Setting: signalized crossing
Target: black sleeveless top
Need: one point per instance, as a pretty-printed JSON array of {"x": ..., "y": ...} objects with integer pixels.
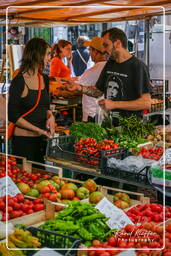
[{"x": 18, "y": 106}]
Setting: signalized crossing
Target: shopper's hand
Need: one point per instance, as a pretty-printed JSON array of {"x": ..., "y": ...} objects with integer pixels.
[
  {"x": 107, "y": 104},
  {"x": 45, "y": 133},
  {"x": 50, "y": 125},
  {"x": 70, "y": 85}
]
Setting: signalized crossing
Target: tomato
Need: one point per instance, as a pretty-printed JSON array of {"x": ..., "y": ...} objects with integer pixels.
[
  {"x": 37, "y": 201},
  {"x": 46, "y": 195},
  {"x": 130, "y": 228},
  {"x": 15, "y": 214},
  {"x": 45, "y": 189},
  {"x": 168, "y": 228},
  {"x": 96, "y": 243},
  {"x": 10, "y": 209},
  {"x": 53, "y": 197},
  {"x": 91, "y": 253},
  {"x": 112, "y": 241},
  {"x": 2, "y": 204},
  {"x": 24, "y": 207},
  {"x": 16, "y": 206},
  {"x": 20, "y": 197},
  {"x": 30, "y": 211},
  {"x": 38, "y": 207}
]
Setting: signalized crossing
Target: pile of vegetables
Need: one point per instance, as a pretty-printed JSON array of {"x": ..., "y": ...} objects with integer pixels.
[
  {"x": 130, "y": 133},
  {"x": 81, "y": 221},
  {"x": 152, "y": 153},
  {"x": 148, "y": 212},
  {"x": 91, "y": 148},
  {"x": 146, "y": 237},
  {"x": 83, "y": 130},
  {"x": 135, "y": 128}
]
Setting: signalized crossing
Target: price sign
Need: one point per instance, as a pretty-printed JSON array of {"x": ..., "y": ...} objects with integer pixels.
[
  {"x": 117, "y": 218},
  {"x": 46, "y": 251},
  {"x": 12, "y": 188}
]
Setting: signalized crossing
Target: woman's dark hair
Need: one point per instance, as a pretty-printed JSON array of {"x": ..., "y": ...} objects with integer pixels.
[
  {"x": 33, "y": 55},
  {"x": 14, "y": 28},
  {"x": 56, "y": 47},
  {"x": 117, "y": 34}
]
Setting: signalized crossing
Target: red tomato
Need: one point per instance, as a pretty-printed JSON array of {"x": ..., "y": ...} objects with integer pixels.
[
  {"x": 20, "y": 197},
  {"x": 112, "y": 241},
  {"x": 16, "y": 206},
  {"x": 30, "y": 211},
  {"x": 96, "y": 243},
  {"x": 2, "y": 204},
  {"x": 37, "y": 201},
  {"x": 38, "y": 207}
]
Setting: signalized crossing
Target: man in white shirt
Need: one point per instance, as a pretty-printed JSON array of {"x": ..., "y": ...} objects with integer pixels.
[{"x": 90, "y": 76}]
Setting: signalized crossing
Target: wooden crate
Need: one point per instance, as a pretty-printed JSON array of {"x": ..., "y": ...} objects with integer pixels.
[
  {"x": 28, "y": 165},
  {"x": 140, "y": 198},
  {"x": 108, "y": 192},
  {"x": 30, "y": 218}
]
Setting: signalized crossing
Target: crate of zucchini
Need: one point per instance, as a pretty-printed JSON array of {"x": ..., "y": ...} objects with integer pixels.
[{"x": 88, "y": 145}]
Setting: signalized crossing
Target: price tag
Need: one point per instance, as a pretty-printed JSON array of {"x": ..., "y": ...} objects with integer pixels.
[
  {"x": 127, "y": 253},
  {"x": 12, "y": 188},
  {"x": 118, "y": 219},
  {"x": 46, "y": 251}
]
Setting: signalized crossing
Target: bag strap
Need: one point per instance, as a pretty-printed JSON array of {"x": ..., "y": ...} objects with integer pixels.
[
  {"x": 82, "y": 57},
  {"x": 38, "y": 98}
]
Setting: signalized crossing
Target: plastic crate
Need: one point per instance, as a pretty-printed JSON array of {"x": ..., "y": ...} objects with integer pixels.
[
  {"x": 157, "y": 86},
  {"x": 50, "y": 239},
  {"x": 62, "y": 147},
  {"x": 137, "y": 176}
]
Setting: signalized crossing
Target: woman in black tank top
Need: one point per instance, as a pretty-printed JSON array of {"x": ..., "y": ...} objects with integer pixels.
[{"x": 30, "y": 131}]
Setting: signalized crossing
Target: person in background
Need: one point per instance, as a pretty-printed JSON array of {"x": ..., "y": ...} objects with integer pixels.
[
  {"x": 90, "y": 76},
  {"x": 124, "y": 81},
  {"x": 80, "y": 56},
  {"x": 30, "y": 131},
  {"x": 57, "y": 67}
]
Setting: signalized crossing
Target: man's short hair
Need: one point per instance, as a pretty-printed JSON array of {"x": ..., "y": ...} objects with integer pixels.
[
  {"x": 117, "y": 34},
  {"x": 81, "y": 40}
]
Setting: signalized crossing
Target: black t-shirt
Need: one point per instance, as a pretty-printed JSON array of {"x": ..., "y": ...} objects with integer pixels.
[
  {"x": 124, "y": 81},
  {"x": 18, "y": 106}
]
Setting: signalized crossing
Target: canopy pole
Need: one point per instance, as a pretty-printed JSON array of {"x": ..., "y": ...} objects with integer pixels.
[{"x": 147, "y": 42}]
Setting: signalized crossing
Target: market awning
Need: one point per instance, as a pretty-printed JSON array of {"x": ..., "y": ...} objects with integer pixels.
[{"x": 37, "y": 12}]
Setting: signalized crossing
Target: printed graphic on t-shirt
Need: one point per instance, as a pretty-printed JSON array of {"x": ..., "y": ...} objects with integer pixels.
[{"x": 115, "y": 88}]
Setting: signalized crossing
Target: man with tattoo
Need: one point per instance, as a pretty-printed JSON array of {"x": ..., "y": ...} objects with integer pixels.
[{"x": 124, "y": 80}]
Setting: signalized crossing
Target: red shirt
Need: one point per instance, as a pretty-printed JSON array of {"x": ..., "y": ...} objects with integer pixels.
[{"x": 59, "y": 69}]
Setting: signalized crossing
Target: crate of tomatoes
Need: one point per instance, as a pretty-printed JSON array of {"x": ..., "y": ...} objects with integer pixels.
[{"x": 87, "y": 152}]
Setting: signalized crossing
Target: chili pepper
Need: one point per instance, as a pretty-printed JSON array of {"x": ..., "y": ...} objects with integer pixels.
[
  {"x": 85, "y": 234},
  {"x": 64, "y": 213},
  {"x": 91, "y": 217}
]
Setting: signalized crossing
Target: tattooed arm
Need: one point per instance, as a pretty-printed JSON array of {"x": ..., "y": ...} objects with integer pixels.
[
  {"x": 91, "y": 91},
  {"x": 88, "y": 90}
]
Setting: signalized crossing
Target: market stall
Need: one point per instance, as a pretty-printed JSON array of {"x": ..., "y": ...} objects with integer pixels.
[{"x": 47, "y": 210}]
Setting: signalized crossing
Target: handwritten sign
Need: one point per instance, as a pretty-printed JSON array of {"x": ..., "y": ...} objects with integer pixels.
[
  {"x": 12, "y": 188},
  {"x": 47, "y": 251},
  {"x": 117, "y": 218}
]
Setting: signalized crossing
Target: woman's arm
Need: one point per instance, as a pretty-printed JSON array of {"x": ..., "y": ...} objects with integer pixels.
[
  {"x": 50, "y": 123},
  {"x": 22, "y": 123}
]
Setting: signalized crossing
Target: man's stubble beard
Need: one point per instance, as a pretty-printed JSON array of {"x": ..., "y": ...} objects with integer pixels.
[{"x": 114, "y": 53}]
